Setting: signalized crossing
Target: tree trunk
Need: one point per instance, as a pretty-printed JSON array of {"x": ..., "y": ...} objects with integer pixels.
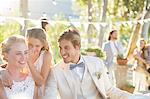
[
  {"x": 103, "y": 18},
  {"x": 24, "y": 14},
  {"x": 135, "y": 34},
  {"x": 89, "y": 20},
  {"x": 145, "y": 28}
]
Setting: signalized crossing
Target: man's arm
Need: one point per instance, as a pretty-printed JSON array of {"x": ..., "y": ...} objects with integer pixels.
[
  {"x": 116, "y": 93},
  {"x": 51, "y": 86},
  {"x": 111, "y": 91}
]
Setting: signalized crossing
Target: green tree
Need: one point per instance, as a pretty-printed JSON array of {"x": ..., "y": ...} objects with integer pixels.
[
  {"x": 89, "y": 4},
  {"x": 9, "y": 28},
  {"x": 103, "y": 19}
]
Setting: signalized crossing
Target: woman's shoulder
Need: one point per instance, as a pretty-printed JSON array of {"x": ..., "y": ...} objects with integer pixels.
[{"x": 47, "y": 54}]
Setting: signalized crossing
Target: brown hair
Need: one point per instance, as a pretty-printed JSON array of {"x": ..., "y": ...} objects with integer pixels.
[
  {"x": 110, "y": 33},
  {"x": 39, "y": 34},
  {"x": 7, "y": 43},
  {"x": 44, "y": 22},
  {"x": 71, "y": 35},
  {"x": 142, "y": 39}
]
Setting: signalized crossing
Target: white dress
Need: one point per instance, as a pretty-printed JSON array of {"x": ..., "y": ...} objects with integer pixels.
[
  {"x": 38, "y": 64},
  {"x": 25, "y": 89},
  {"x": 21, "y": 90}
]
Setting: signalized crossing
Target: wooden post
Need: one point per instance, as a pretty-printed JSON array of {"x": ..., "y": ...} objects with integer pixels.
[
  {"x": 133, "y": 40},
  {"x": 24, "y": 14},
  {"x": 89, "y": 20}
]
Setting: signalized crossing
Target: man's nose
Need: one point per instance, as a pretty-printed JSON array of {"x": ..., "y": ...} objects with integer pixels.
[{"x": 62, "y": 52}]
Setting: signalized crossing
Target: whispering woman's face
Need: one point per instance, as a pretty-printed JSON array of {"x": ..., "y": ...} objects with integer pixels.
[{"x": 35, "y": 45}]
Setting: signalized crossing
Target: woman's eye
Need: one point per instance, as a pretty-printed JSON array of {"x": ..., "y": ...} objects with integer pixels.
[
  {"x": 26, "y": 52},
  {"x": 18, "y": 53}
]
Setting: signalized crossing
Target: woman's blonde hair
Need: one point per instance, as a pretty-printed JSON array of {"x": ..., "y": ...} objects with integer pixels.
[
  {"x": 7, "y": 43},
  {"x": 38, "y": 33}
]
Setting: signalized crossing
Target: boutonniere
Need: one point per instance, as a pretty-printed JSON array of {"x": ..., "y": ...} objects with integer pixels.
[{"x": 98, "y": 75}]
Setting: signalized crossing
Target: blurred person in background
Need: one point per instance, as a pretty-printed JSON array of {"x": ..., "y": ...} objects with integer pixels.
[
  {"x": 112, "y": 48},
  {"x": 142, "y": 64}
]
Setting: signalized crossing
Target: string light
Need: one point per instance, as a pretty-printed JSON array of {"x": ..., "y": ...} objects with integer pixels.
[
  {"x": 82, "y": 22},
  {"x": 54, "y": 2},
  {"x": 29, "y": 13},
  {"x": 90, "y": 17}
]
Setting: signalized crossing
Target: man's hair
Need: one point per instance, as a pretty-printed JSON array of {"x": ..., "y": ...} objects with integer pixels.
[
  {"x": 110, "y": 33},
  {"x": 71, "y": 35},
  {"x": 44, "y": 22}
]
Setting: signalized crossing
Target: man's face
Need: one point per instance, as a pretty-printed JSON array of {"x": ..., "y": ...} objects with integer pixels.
[
  {"x": 114, "y": 35},
  {"x": 68, "y": 52}
]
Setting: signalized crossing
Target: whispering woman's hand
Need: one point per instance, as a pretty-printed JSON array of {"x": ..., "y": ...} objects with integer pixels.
[{"x": 32, "y": 56}]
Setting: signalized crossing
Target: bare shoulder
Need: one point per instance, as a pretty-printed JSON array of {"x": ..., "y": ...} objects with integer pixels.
[{"x": 47, "y": 54}]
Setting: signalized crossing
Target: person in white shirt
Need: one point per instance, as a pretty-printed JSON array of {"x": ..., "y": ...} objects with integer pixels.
[{"x": 112, "y": 48}]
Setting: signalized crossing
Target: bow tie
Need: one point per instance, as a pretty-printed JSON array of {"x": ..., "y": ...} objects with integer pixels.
[{"x": 72, "y": 66}]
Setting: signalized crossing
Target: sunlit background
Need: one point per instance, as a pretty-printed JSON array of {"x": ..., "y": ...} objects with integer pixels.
[{"x": 94, "y": 19}]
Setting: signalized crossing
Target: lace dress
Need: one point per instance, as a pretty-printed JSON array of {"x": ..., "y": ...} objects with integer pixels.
[
  {"x": 25, "y": 89},
  {"x": 21, "y": 90}
]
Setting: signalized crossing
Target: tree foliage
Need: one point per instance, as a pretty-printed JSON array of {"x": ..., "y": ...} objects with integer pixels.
[{"x": 134, "y": 7}]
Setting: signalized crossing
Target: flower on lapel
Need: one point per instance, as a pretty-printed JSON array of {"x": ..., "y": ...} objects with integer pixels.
[{"x": 98, "y": 75}]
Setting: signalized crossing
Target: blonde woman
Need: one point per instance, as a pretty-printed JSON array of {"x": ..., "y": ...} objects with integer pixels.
[
  {"x": 40, "y": 59},
  {"x": 15, "y": 52}
]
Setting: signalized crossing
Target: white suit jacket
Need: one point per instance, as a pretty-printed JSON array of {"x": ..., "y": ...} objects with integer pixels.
[{"x": 61, "y": 80}]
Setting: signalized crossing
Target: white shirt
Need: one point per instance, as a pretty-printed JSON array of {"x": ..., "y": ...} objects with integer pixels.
[
  {"x": 113, "y": 45},
  {"x": 79, "y": 70}
]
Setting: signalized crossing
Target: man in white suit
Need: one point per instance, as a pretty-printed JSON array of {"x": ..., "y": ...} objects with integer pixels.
[
  {"x": 112, "y": 48},
  {"x": 77, "y": 76}
]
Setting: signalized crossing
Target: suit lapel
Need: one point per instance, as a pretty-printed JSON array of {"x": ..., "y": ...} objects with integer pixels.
[
  {"x": 70, "y": 79},
  {"x": 91, "y": 67}
]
